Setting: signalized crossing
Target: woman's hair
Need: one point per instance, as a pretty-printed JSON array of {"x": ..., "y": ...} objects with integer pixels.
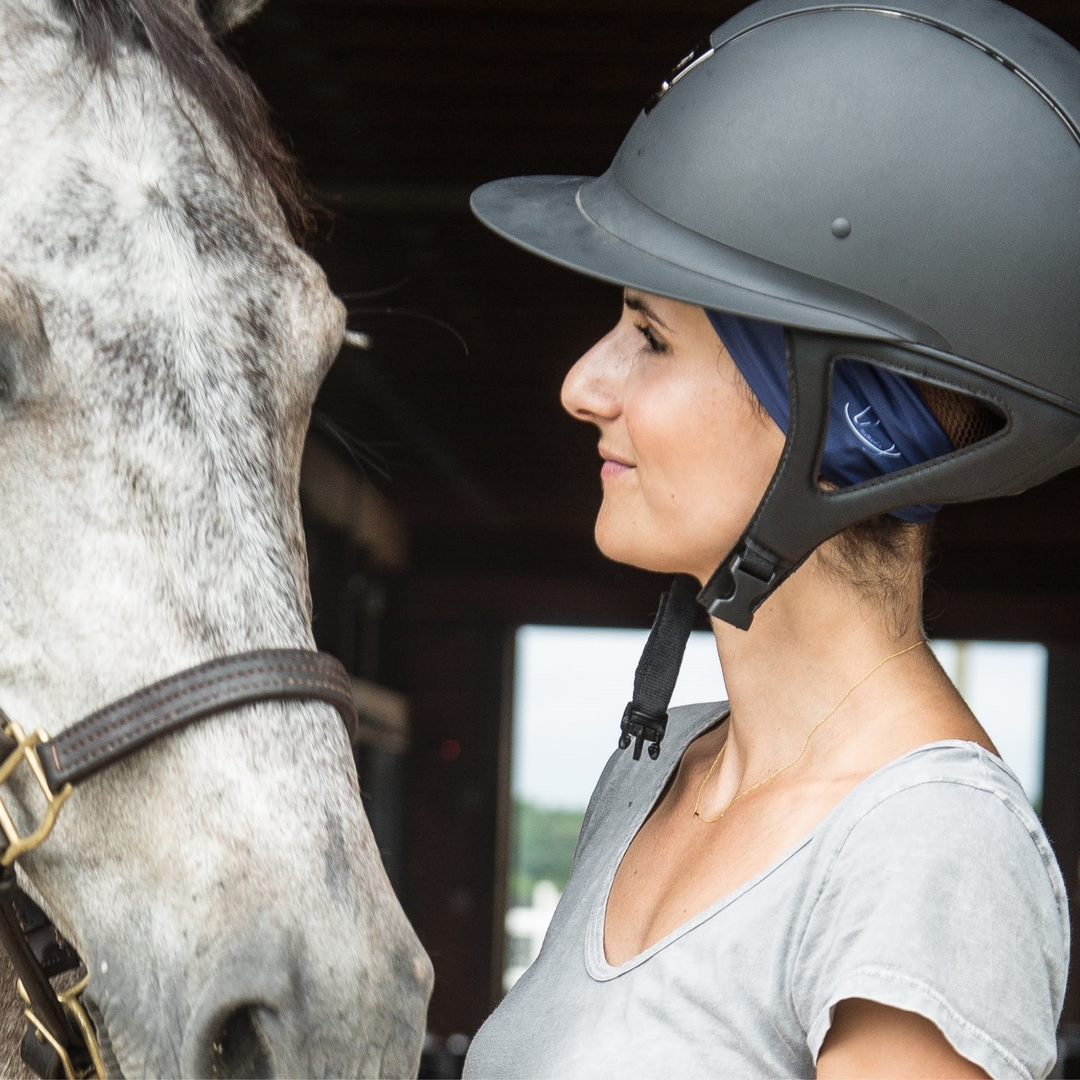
[{"x": 885, "y": 558}]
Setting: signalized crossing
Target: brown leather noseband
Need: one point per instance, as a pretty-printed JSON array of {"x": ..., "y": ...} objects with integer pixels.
[{"x": 60, "y": 1039}]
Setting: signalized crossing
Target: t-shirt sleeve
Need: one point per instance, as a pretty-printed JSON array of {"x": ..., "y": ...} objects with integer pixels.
[{"x": 943, "y": 899}]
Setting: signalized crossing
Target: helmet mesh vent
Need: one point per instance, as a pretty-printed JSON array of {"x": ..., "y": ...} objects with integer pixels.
[{"x": 965, "y": 420}]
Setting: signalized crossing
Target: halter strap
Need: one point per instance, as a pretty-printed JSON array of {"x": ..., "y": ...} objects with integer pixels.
[
  {"x": 60, "y": 1040},
  {"x": 119, "y": 729}
]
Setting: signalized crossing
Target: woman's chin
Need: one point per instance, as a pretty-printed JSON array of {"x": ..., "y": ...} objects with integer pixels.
[
  {"x": 616, "y": 545},
  {"x": 624, "y": 546},
  {"x": 628, "y": 546}
]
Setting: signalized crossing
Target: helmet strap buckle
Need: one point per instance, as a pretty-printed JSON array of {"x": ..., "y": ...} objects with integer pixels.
[{"x": 742, "y": 582}]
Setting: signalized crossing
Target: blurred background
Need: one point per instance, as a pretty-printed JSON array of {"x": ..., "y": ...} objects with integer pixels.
[{"x": 449, "y": 502}]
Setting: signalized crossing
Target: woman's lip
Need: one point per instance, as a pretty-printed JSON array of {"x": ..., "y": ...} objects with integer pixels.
[
  {"x": 613, "y": 457},
  {"x": 611, "y": 469}
]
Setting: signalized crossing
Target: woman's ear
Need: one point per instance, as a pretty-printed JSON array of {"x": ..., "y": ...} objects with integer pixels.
[{"x": 223, "y": 15}]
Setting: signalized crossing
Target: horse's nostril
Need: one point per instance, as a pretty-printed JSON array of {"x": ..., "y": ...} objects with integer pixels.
[{"x": 239, "y": 1049}]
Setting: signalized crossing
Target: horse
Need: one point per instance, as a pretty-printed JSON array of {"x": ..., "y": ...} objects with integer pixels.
[{"x": 162, "y": 339}]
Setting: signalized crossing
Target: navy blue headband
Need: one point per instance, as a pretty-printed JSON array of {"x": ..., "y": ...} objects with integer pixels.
[{"x": 878, "y": 423}]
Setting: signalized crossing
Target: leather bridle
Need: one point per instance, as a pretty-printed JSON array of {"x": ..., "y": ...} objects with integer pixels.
[{"x": 60, "y": 1039}]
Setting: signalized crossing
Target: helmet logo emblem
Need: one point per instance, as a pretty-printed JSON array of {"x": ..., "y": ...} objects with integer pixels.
[
  {"x": 862, "y": 425},
  {"x": 687, "y": 64}
]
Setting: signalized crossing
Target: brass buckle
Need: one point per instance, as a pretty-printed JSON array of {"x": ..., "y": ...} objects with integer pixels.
[
  {"x": 71, "y": 1000},
  {"x": 26, "y": 750}
]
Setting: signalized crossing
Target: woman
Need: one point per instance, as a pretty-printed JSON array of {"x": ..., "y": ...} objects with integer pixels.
[{"x": 848, "y": 239}]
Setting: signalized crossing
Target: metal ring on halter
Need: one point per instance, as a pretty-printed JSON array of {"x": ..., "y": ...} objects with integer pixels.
[{"x": 71, "y": 1001}]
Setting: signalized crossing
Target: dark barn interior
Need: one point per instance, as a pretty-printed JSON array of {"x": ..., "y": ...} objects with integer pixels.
[{"x": 468, "y": 511}]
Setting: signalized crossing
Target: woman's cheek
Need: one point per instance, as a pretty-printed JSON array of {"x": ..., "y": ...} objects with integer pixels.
[
  {"x": 677, "y": 430},
  {"x": 657, "y": 413},
  {"x": 648, "y": 511},
  {"x": 703, "y": 461}
]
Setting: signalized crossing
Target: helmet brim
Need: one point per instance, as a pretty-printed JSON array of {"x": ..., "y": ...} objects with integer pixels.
[{"x": 583, "y": 222}]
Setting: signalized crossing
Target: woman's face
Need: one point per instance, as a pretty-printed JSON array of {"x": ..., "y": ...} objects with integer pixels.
[{"x": 687, "y": 451}]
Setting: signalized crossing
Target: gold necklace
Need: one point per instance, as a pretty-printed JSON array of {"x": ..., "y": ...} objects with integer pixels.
[{"x": 772, "y": 776}]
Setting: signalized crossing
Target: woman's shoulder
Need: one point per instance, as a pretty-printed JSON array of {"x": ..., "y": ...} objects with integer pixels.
[
  {"x": 945, "y": 824},
  {"x": 943, "y": 796},
  {"x": 947, "y": 780},
  {"x": 935, "y": 890}
]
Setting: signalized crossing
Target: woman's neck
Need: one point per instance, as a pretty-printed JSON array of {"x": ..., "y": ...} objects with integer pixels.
[{"x": 810, "y": 644}]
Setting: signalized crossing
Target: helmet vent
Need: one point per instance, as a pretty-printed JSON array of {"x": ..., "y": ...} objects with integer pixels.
[{"x": 964, "y": 419}]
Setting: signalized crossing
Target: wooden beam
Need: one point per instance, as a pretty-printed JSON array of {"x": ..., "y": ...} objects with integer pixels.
[
  {"x": 335, "y": 494},
  {"x": 384, "y": 717}
]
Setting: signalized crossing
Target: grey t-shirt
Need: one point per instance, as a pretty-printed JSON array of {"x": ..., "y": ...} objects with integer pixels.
[{"x": 930, "y": 887}]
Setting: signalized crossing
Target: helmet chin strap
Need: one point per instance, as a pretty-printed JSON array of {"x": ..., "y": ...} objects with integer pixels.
[
  {"x": 645, "y": 718},
  {"x": 796, "y": 515}
]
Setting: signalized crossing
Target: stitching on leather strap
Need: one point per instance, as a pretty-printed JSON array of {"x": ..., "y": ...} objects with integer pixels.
[
  {"x": 210, "y": 672},
  {"x": 99, "y": 739},
  {"x": 215, "y": 689},
  {"x": 95, "y": 726},
  {"x": 209, "y": 678}
]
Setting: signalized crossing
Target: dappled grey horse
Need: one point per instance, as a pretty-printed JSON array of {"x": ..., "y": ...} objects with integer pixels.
[{"x": 162, "y": 338}]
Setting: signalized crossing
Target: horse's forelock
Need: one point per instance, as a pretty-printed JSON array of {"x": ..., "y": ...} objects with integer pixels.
[{"x": 196, "y": 63}]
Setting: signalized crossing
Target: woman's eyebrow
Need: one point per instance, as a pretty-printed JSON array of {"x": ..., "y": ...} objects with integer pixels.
[{"x": 636, "y": 303}]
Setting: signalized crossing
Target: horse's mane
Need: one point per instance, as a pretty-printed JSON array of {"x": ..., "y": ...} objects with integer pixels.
[{"x": 196, "y": 63}]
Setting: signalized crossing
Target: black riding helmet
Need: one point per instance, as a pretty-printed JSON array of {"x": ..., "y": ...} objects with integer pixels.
[{"x": 896, "y": 183}]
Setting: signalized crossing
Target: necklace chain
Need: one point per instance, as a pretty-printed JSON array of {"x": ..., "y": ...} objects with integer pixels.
[{"x": 791, "y": 764}]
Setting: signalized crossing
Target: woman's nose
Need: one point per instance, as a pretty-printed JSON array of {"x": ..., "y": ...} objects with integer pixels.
[{"x": 590, "y": 391}]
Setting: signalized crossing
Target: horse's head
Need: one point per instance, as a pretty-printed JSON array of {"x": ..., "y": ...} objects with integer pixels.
[{"x": 161, "y": 342}]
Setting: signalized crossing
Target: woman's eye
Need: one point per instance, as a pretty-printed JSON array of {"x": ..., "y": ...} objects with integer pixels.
[{"x": 652, "y": 341}]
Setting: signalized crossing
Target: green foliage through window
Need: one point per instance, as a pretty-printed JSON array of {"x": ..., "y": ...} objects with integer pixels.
[{"x": 541, "y": 848}]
